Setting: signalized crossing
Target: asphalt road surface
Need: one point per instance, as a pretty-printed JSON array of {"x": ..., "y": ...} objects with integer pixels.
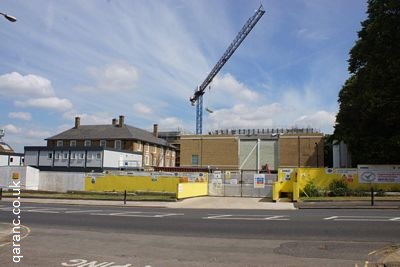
[{"x": 99, "y": 236}]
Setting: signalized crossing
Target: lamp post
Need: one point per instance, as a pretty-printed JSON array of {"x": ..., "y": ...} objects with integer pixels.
[
  {"x": 316, "y": 145},
  {"x": 8, "y": 17}
]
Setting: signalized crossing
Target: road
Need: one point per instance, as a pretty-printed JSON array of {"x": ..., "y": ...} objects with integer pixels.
[{"x": 100, "y": 236}]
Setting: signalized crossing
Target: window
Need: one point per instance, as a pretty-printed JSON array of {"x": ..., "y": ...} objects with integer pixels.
[
  {"x": 58, "y": 155},
  {"x": 88, "y": 143},
  {"x": 173, "y": 154},
  {"x": 147, "y": 148},
  {"x": 50, "y": 155},
  {"x": 146, "y": 160},
  {"x": 167, "y": 153},
  {"x": 117, "y": 144},
  {"x": 195, "y": 160},
  {"x": 72, "y": 143},
  {"x": 154, "y": 149},
  {"x": 103, "y": 143},
  {"x": 73, "y": 155},
  {"x": 139, "y": 146},
  {"x": 11, "y": 159},
  {"x": 65, "y": 156},
  {"x": 60, "y": 143},
  {"x": 98, "y": 156},
  {"x": 154, "y": 161},
  {"x": 81, "y": 155},
  {"x": 161, "y": 150}
]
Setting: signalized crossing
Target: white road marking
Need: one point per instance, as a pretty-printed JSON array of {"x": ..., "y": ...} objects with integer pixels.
[
  {"x": 82, "y": 211},
  {"x": 46, "y": 210},
  {"x": 330, "y": 218},
  {"x": 362, "y": 218},
  {"x": 248, "y": 217}
]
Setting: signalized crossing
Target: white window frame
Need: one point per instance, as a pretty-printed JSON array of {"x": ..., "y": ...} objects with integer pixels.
[
  {"x": 116, "y": 142},
  {"x": 72, "y": 143},
  {"x": 65, "y": 155},
  {"x": 139, "y": 146},
  {"x": 87, "y": 143},
  {"x": 167, "y": 152},
  {"x": 147, "y": 147},
  {"x": 154, "y": 160},
  {"x": 147, "y": 160},
  {"x": 103, "y": 143},
  {"x": 73, "y": 155},
  {"x": 50, "y": 155},
  {"x": 60, "y": 143},
  {"x": 81, "y": 155},
  {"x": 57, "y": 155},
  {"x": 154, "y": 149},
  {"x": 98, "y": 155}
]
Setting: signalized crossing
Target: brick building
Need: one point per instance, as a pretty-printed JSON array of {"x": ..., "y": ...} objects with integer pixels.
[
  {"x": 253, "y": 149},
  {"x": 118, "y": 136}
]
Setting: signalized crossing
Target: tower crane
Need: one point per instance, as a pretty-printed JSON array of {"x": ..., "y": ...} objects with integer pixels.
[{"x": 197, "y": 97}]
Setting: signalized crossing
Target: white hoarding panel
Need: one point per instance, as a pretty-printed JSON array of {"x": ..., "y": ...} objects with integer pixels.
[{"x": 379, "y": 174}]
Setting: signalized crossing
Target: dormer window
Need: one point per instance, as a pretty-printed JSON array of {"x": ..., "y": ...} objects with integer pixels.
[
  {"x": 60, "y": 143},
  {"x": 88, "y": 143}
]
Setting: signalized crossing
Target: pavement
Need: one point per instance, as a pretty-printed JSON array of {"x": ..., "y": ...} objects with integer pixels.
[
  {"x": 347, "y": 205},
  {"x": 190, "y": 203}
]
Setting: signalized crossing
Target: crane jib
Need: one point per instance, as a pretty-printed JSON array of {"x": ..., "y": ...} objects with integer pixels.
[{"x": 249, "y": 25}]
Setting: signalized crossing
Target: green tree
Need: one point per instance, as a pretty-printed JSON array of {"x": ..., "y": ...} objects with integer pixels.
[{"x": 369, "y": 101}]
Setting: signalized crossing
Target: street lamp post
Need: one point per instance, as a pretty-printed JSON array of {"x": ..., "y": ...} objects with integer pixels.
[
  {"x": 8, "y": 17},
  {"x": 316, "y": 145}
]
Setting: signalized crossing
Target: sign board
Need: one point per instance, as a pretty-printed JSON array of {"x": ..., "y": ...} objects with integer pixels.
[
  {"x": 259, "y": 180},
  {"x": 287, "y": 173},
  {"x": 381, "y": 174}
]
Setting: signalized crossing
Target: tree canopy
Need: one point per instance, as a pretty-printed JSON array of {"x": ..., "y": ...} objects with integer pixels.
[{"x": 368, "y": 120}]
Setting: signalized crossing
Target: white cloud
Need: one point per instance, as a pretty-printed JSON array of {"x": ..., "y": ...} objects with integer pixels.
[
  {"x": 12, "y": 129},
  {"x": 26, "y": 116},
  {"x": 86, "y": 119},
  {"x": 53, "y": 103},
  {"x": 229, "y": 86},
  {"x": 142, "y": 109},
  {"x": 170, "y": 123},
  {"x": 320, "y": 119},
  {"x": 309, "y": 34},
  {"x": 245, "y": 116},
  {"x": 14, "y": 84},
  {"x": 37, "y": 134},
  {"x": 112, "y": 78}
]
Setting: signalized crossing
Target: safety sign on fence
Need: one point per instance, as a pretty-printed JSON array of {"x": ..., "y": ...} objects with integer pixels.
[
  {"x": 259, "y": 180},
  {"x": 379, "y": 173}
]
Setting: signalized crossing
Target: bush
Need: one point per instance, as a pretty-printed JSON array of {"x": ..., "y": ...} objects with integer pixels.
[
  {"x": 310, "y": 190},
  {"x": 339, "y": 188}
]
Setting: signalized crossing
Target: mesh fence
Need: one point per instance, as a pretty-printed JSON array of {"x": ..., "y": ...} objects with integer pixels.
[{"x": 240, "y": 184}]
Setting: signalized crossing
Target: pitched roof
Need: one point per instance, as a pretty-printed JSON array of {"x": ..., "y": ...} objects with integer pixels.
[{"x": 109, "y": 132}]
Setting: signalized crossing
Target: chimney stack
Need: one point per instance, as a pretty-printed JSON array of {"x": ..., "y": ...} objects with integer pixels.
[
  {"x": 77, "y": 122},
  {"x": 114, "y": 121},
  {"x": 155, "y": 130},
  {"x": 121, "y": 121}
]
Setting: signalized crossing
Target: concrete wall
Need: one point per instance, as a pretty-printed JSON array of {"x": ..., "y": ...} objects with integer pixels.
[
  {"x": 62, "y": 181},
  {"x": 29, "y": 177}
]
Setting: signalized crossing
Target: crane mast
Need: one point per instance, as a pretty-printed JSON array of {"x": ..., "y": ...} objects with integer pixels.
[{"x": 197, "y": 98}]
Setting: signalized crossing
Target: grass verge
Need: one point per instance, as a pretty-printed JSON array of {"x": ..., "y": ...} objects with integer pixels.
[{"x": 350, "y": 198}]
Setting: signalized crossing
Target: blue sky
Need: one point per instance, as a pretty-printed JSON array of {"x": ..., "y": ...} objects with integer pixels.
[{"x": 99, "y": 59}]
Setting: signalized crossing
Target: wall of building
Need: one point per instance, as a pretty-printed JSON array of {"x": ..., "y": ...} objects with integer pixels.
[
  {"x": 301, "y": 150},
  {"x": 214, "y": 151}
]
